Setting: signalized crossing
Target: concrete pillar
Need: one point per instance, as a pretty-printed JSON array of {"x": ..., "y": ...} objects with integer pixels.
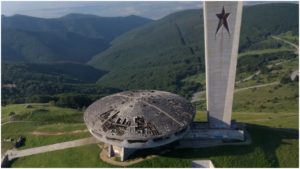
[
  {"x": 110, "y": 151},
  {"x": 222, "y": 21},
  {"x": 125, "y": 153},
  {"x": 122, "y": 152}
]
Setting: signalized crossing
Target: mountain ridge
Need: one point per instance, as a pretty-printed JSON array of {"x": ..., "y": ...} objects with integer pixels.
[
  {"x": 173, "y": 47},
  {"x": 87, "y": 35}
]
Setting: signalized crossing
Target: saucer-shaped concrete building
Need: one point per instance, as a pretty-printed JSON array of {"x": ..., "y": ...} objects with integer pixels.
[{"x": 138, "y": 119}]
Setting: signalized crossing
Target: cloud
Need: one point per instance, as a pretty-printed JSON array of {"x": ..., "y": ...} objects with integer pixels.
[{"x": 131, "y": 11}]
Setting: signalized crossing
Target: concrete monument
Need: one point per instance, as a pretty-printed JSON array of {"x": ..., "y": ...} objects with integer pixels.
[{"x": 222, "y": 22}]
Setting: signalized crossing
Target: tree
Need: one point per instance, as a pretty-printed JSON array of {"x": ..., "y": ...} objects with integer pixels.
[{"x": 285, "y": 80}]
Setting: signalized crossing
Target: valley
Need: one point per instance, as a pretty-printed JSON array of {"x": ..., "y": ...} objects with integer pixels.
[{"x": 45, "y": 90}]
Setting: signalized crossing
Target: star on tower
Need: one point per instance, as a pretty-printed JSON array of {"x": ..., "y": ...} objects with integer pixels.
[{"x": 223, "y": 20}]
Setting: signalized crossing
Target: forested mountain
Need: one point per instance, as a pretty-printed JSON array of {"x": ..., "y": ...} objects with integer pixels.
[
  {"x": 37, "y": 82},
  {"x": 21, "y": 45},
  {"x": 58, "y": 72},
  {"x": 261, "y": 21},
  {"x": 74, "y": 37},
  {"x": 91, "y": 26},
  {"x": 159, "y": 55}
]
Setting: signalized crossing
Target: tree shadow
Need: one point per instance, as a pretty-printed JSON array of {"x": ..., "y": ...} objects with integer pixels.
[{"x": 9, "y": 163}]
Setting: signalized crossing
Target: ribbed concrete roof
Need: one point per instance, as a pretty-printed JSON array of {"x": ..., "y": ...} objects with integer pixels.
[{"x": 138, "y": 115}]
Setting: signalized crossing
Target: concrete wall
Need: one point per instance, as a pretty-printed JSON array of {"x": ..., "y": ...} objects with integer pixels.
[
  {"x": 123, "y": 153},
  {"x": 221, "y": 49},
  {"x": 202, "y": 164}
]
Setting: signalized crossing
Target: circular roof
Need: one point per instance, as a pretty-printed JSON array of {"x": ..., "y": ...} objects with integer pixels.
[{"x": 138, "y": 115}]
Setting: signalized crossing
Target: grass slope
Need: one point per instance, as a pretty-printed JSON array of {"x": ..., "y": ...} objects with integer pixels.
[
  {"x": 274, "y": 135},
  {"x": 42, "y": 118},
  {"x": 282, "y": 151},
  {"x": 85, "y": 156}
]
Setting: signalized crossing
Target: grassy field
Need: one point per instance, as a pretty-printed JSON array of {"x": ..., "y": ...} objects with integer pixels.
[
  {"x": 275, "y": 142},
  {"x": 85, "y": 156},
  {"x": 271, "y": 147},
  {"x": 273, "y": 128},
  {"x": 45, "y": 118},
  {"x": 261, "y": 153},
  {"x": 277, "y": 70},
  {"x": 264, "y": 51},
  {"x": 272, "y": 99}
]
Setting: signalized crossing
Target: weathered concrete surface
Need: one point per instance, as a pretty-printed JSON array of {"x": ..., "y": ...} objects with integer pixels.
[
  {"x": 139, "y": 119},
  {"x": 294, "y": 75},
  {"x": 203, "y": 143},
  {"x": 105, "y": 158},
  {"x": 53, "y": 147},
  {"x": 202, "y": 164},
  {"x": 222, "y": 22}
]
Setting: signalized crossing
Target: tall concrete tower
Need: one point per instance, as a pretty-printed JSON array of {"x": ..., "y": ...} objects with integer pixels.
[{"x": 222, "y": 22}]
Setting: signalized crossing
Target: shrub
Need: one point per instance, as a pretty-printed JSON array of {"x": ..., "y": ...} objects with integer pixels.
[
  {"x": 285, "y": 80},
  {"x": 74, "y": 101},
  {"x": 12, "y": 113},
  {"x": 28, "y": 106}
]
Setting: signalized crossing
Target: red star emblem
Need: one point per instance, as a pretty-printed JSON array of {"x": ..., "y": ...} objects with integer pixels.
[{"x": 223, "y": 20}]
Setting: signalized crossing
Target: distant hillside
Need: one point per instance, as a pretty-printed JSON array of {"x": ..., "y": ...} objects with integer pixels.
[
  {"x": 36, "y": 82},
  {"x": 91, "y": 26},
  {"x": 18, "y": 73},
  {"x": 20, "y": 45},
  {"x": 159, "y": 55},
  {"x": 261, "y": 21},
  {"x": 74, "y": 37}
]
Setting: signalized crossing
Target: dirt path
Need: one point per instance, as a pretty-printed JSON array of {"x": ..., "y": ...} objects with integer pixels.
[
  {"x": 290, "y": 43},
  {"x": 196, "y": 96},
  {"x": 249, "y": 77},
  {"x": 53, "y": 147},
  {"x": 2, "y": 124},
  {"x": 256, "y": 86},
  {"x": 42, "y": 133}
]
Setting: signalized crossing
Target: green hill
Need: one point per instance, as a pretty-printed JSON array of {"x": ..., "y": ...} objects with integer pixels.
[
  {"x": 261, "y": 21},
  {"x": 20, "y": 45},
  {"x": 51, "y": 82},
  {"x": 160, "y": 54},
  {"x": 156, "y": 55},
  {"x": 91, "y": 26},
  {"x": 74, "y": 37},
  {"x": 58, "y": 72}
]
